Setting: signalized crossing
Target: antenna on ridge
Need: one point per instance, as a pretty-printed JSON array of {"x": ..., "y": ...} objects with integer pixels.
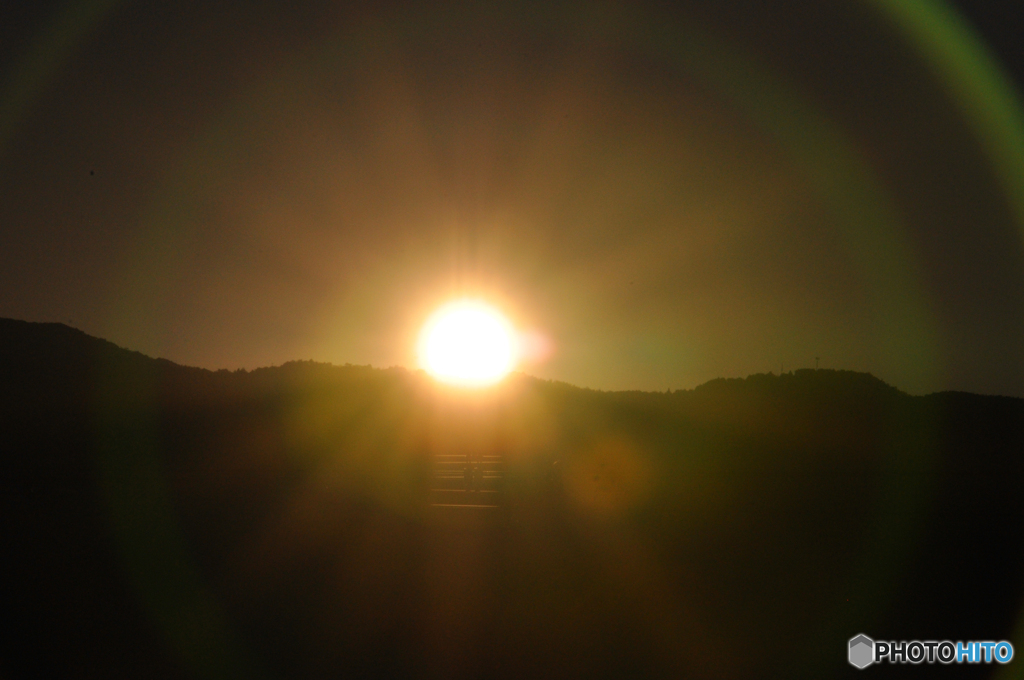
[{"x": 815, "y": 363}]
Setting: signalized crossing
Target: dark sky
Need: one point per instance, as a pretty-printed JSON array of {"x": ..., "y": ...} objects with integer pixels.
[{"x": 667, "y": 192}]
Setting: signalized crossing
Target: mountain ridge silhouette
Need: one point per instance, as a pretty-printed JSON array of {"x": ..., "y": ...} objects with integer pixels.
[
  {"x": 172, "y": 521},
  {"x": 14, "y": 331}
]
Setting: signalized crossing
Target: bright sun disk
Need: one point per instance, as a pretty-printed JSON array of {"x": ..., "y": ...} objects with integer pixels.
[{"x": 467, "y": 343}]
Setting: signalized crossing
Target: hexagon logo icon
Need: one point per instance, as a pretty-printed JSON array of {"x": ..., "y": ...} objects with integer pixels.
[{"x": 862, "y": 651}]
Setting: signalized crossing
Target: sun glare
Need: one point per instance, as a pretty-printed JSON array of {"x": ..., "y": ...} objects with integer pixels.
[{"x": 468, "y": 343}]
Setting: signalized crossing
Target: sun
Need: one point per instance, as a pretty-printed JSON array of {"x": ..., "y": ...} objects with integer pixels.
[{"x": 469, "y": 343}]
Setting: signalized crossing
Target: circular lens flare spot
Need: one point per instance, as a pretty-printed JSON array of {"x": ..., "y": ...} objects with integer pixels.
[{"x": 467, "y": 343}]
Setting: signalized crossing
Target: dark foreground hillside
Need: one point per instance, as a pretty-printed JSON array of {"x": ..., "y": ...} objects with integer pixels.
[{"x": 312, "y": 521}]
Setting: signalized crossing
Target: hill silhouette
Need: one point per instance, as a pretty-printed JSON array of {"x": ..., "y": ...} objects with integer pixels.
[{"x": 308, "y": 521}]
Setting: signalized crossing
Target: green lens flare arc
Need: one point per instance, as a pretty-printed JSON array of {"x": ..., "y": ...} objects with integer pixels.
[
  {"x": 69, "y": 30},
  {"x": 977, "y": 82}
]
